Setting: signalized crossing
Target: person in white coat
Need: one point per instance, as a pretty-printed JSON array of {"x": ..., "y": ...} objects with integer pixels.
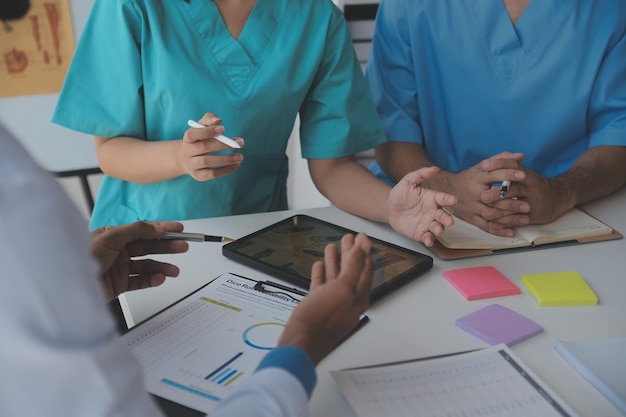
[{"x": 61, "y": 355}]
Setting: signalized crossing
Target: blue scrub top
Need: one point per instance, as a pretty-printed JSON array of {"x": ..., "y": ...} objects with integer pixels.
[
  {"x": 456, "y": 77},
  {"x": 142, "y": 68}
]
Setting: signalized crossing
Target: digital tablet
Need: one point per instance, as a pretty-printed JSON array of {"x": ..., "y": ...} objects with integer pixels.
[{"x": 288, "y": 249}]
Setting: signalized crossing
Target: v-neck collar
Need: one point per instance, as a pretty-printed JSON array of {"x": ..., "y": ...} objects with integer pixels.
[
  {"x": 508, "y": 44},
  {"x": 502, "y": 36},
  {"x": 535, "y": 21},
  {"x": 239, "y": 58}
]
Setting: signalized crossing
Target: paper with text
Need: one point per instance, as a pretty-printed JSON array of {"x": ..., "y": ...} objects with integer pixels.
[
  {"x": 488, "y": 383},
  {"x": 200, "y": 349}
]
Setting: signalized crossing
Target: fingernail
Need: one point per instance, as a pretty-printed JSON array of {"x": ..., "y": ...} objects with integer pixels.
[{"x": 219, "y": 129}]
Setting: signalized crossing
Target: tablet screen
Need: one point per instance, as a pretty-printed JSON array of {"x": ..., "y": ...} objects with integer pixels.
[{"x": 289, "y": 248}]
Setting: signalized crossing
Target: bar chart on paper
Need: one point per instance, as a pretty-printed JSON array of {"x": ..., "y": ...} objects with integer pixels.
[
  {"x": 486, "y": 383},
  {"x": 225, "y": 374},
  {"x": 204, "y": 347}
]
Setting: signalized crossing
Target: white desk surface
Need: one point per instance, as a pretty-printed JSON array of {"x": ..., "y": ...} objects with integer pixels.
[{"x": 418, "y": 319}]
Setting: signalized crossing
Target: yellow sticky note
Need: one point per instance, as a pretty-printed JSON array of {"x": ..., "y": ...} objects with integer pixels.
[{"x": 560, "y": 289}]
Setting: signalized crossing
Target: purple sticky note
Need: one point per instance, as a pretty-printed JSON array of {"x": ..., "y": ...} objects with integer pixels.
[{"x": 496, "y": 324}]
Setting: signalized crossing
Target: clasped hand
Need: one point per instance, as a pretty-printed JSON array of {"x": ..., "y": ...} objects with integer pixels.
[{"x": 531, "y": 199}]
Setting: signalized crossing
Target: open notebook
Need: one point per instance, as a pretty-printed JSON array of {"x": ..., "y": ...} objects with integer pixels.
[{"x": 464, "y": 239}]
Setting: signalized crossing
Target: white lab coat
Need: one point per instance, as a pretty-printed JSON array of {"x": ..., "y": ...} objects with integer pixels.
[{"x": 60, "y": 354}]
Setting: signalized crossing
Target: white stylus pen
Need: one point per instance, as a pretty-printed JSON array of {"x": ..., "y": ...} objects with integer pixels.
[{"x": 225, "y": 140}]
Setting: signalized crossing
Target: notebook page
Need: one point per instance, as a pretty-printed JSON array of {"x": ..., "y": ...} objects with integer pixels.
[
  {"x": 464, "y": 235},
  {"x": 574, "y": 224}
]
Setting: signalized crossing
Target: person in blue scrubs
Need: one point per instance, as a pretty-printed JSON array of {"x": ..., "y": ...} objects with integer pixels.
[
  {"x": 243, "y": 68},
  {"x": 533, "y": 92}
]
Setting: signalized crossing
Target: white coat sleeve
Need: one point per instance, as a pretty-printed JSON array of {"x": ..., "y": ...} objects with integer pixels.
[{"x": 60, "y": 354}]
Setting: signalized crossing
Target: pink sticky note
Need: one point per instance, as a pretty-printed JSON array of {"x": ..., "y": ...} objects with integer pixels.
[
  {"x": 480, "y": 282},
  {"x": 496, "y": 324}
]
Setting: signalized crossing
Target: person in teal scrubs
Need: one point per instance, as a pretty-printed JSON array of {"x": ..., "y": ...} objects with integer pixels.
[
  {"x": 533, "y": 92},
  {"x": 143, "y": 68}
]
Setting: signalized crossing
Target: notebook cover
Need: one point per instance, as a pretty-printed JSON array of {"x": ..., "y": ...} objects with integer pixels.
[
  {"x": 480, "y": 282},
  {"x": 560, "y": 289},
  {"x": 497, "y": 324},
  {"x": 602, "y": 363}
]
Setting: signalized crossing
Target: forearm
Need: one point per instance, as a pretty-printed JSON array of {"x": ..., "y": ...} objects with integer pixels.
[
  {"x": 598, "y": 172},
  {"x": 351, "y": 187},
  {"x": 139, "y": 161},
  {"x": 399, "y": 158}
]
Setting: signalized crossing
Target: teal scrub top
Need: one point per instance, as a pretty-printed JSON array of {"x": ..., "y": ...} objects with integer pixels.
[
  {"x": 458, "y": 78},
  {"x": 142, "y": 68}
]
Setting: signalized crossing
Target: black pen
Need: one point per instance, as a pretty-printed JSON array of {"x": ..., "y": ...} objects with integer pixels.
[{"x": 195, "y": 237}]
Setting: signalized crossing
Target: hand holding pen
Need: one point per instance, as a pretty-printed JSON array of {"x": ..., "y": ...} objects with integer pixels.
[
  {"x": 121, "y": 252},
  {"x": 206, "y": 153},
  {"x": 500, "y": 208}
]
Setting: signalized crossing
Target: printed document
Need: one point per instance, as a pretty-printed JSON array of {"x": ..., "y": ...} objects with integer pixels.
[
  {"x": 198, "y": 350},
  {"x": 487, "y": 383}
]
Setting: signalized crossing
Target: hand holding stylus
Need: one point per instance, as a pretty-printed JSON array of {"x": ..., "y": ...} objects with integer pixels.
[
  {"x": 224, "y": 139},
  {"x": 204, "y": 154}
]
